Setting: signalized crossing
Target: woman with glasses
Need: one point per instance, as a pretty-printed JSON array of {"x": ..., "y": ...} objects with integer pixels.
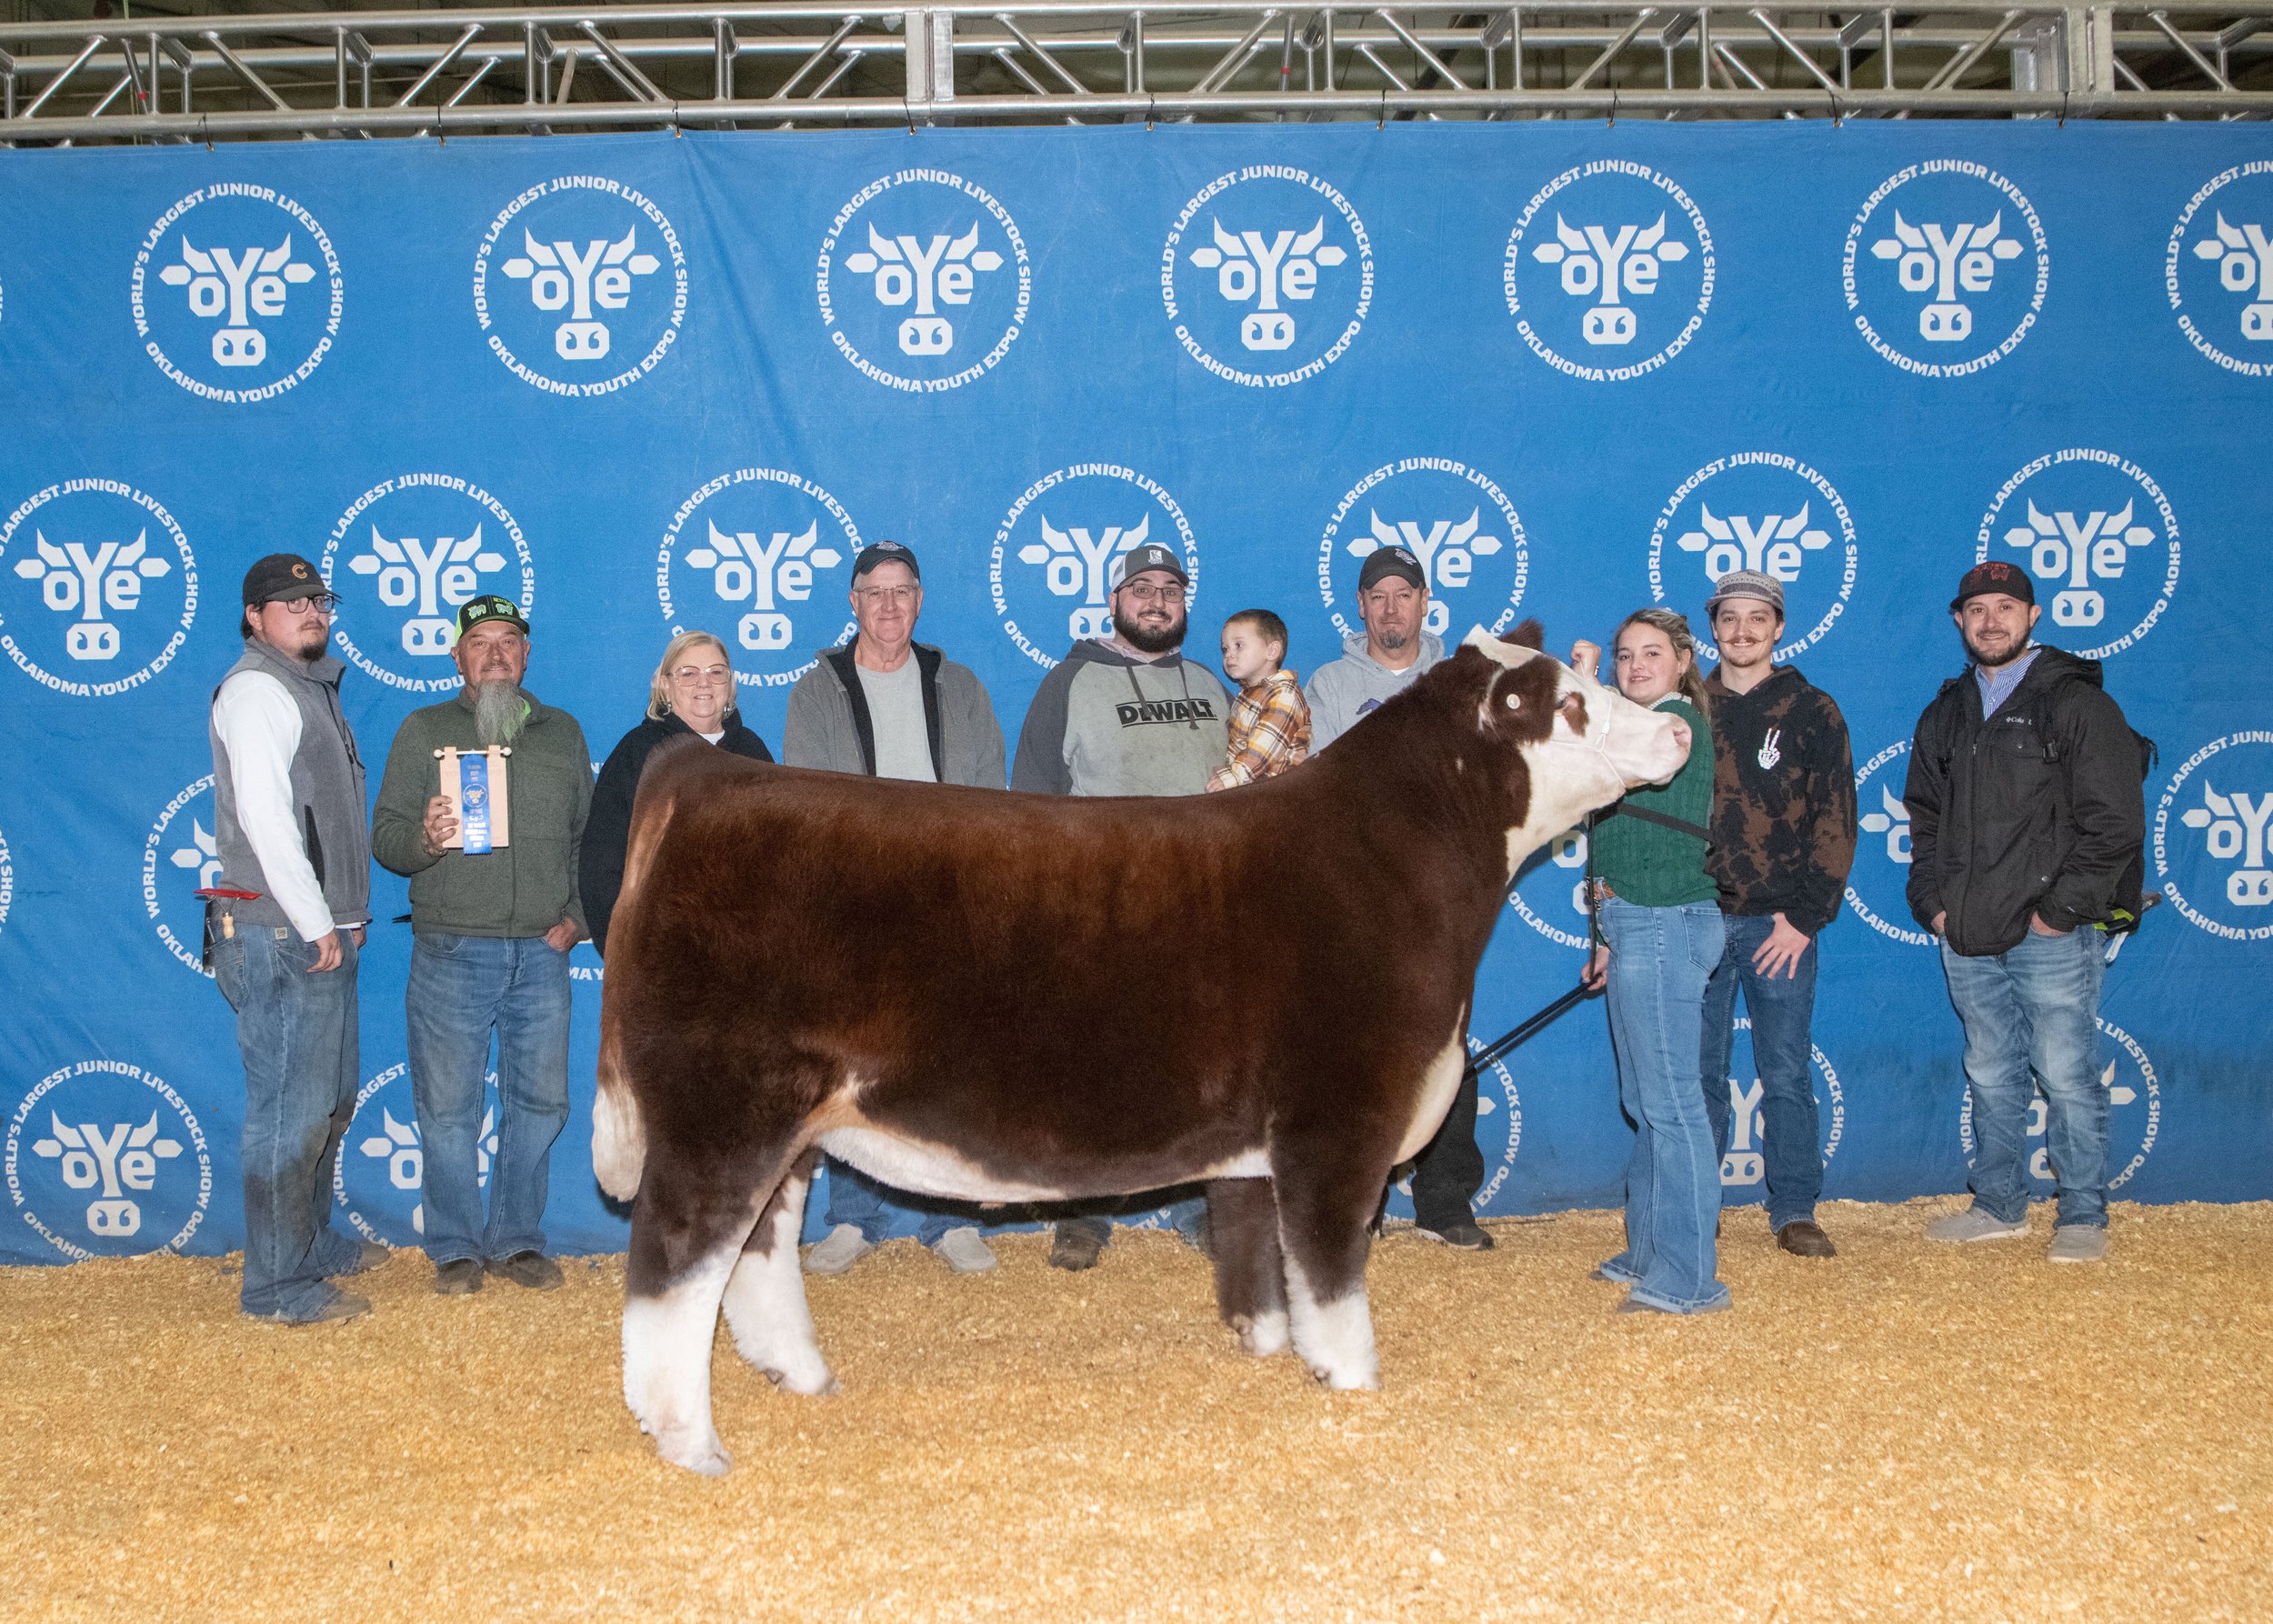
[{"x": 692, "y": 693}]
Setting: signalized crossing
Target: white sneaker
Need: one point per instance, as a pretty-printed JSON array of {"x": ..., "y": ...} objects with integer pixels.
[
  {"x": 2079, "y": 1243},
  {"x": 963, "y": 1251},
  {"x": 838, "y": 1251},
  {"x": 1974, "y": 1223}
]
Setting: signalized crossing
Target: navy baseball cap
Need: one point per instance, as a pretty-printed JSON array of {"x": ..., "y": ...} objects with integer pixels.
[{"x": 885, "y": 552}]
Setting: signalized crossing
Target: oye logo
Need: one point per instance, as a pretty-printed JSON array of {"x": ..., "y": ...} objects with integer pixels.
[
  {"x": 2094, "y": 529},
  {"x": 2133, "y": 1117},
  {"x": 1070, "y": 531},
  {"x": 180, "y": 858},
  {"x": 1620, "y": 271},
  {"x": 228, "y": 319},
  {"x": 924, "y": 305},
  {"x": 2213, "y": 855},
  {"x": 1882, "y": 857},
  {"x": 378, "y": 1172},
  {"x": 756, "y": 545},
  {"x": 1745, "y": 1166},
  {"x": 104, "y": 1158},
  {"x": 1279, "y": 283},
  {"x": 1925, "y": 269},
  {"x": 2218, "y": 269},
  {"x": 415, "y": 549},
  {"x": 100, "y": 588},
  {"x": 585, "y": 285},
  {"x": 1476, "y": 561},
  {"x": 1758, "y": 510}
]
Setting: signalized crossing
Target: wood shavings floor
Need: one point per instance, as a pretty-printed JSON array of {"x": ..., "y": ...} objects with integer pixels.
[{"x": 1909, "y": 1432}]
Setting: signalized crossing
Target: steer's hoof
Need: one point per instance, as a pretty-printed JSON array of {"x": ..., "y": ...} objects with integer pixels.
[
  {"x": 1262, "y": 1336},
  {"x": 705, "y": 1455},
  {"x": 1349, "y": 1381},
  {"x": 815, "y": 1382}
]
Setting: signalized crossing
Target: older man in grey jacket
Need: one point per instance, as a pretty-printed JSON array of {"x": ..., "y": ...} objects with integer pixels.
[{"x": 888, "y": 707}]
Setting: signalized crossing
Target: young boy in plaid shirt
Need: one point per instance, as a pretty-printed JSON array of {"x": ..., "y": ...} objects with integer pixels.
[{"x": 1270, "y": 721}]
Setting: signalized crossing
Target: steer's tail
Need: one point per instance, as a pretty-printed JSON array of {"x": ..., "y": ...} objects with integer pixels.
[{"x": 619, "y": 1131}]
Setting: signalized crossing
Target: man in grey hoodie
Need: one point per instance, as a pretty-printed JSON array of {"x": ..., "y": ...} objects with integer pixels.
[
  {"x": 1126, "y": 715},
  {"x": 1393, "y": 602}
]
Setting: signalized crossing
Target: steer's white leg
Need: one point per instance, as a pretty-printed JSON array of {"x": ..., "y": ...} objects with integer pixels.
[
  {"x": 765, "y": 1300},
  {"x": 1334, "y": 1339},
  {"x": 1265, "y": 1334},
  {"x": 667, "y": 1363}
]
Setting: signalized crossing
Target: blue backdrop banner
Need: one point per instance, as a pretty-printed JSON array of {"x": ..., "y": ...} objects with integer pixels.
[{"x": 646, "y": 383}]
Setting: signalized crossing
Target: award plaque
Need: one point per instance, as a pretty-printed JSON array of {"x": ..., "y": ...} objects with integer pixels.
[{"x": 476, "y": 782}]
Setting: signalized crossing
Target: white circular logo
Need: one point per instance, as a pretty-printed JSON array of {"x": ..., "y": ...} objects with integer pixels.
[
  {"x": 105, "y": 1159},
  {"x": 1758, "y": 510},
  {"x": 179, "y": 860},
  {"x": 760, "y": 542},
  {"x": 1605, "y": 281},
  {"x": 1275, "y": 279},
  {"x": 1057, "y": 553},
  {"x": 1747, "y": 1163},
  {"x": 236, "y": 293},
  {"x": 1550, "y": 896},
  {"x": 2219, "y": 268},
  {"x": 98, "y": 588},
  {"x": 935, "y": 283},
  {"x": 1885, "y": 832},
  {"x": 379, "y": 1172},
  {"x": 1937, "y": 272},
  {"x": 2211, "y": 844},
  {"x": 415, "y": 547},
  {"x": 2091, "y": 527},
  {"x": 580, "y": 308},
  {"x": 2133, "y": 1117},
  {"x": 1433, "y": 506}
]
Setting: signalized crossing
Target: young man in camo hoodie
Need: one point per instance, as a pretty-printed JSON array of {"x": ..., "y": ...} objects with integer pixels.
[{"x": 1783, "y": 841}]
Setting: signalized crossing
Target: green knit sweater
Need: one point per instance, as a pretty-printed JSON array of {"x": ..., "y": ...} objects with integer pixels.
[{"x": 1648, "y": 863}]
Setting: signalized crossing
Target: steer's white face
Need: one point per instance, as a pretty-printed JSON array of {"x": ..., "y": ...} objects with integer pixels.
[{"x": 1601, "y": 745}]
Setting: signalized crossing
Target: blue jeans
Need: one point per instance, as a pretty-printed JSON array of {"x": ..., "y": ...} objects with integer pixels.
[
  {"x": 297, "y": 1030},
  {"x": 1661, "y": 959},
  {"x": 2031, "y": 1022},
  {"x": 1783, "y": 1011},
  {"x": 858, "y": 1199},
  {"x": 462, "y": 988}
]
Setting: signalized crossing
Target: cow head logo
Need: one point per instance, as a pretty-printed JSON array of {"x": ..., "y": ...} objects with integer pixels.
[
  {"x": 380, "y": 1170},
  {"x": 236, "y": 293},
  {"x": 1876, "y": 884},
  {"x": 1455, "y": 520},
  {"x": 1609, "y": 271},
  {"x": 105, "y": 1159},
  {"x": 1744, "y": 1170},
  {"x": 2213, "y": 851},
  {"x": 763, "y": 550},
  {"x": 2133, "y": 1117},
  {"x": 924, "y": 282},
  {"x": 99, "y": 587},
  {"x": 1758, "y": 510},
  {"x": 1058, "y": 553},
  {"x": 2100, "y": 539},
  {"x": 180, "y": 856},
  {"x": 2218, "y": 269},
  {"x": 1946, "y": 268},
  {"x": 579, "y": 304},
  {"x": 404, "y": 558},
  {"x": 1267, "y": 276}
]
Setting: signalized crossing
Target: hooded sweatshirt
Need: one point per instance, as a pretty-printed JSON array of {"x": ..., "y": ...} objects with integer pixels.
[
  {"x": 1108, "y": 723},
  {"x": 1343, "y": 690}
]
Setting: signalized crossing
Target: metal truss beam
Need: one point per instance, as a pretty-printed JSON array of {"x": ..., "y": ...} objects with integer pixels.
[{"x": 470, "y": 70}]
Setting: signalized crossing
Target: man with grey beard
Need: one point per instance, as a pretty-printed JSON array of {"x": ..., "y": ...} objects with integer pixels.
[{"x": 491, "y": 933}]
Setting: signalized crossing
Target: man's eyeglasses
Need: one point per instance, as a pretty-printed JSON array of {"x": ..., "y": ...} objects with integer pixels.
[
  {"x": 322, "y": 602},
  {"x": 1145, "y": 593},
  {"x": 692, "y": 675},
  {"x": 889, "y": 595}
]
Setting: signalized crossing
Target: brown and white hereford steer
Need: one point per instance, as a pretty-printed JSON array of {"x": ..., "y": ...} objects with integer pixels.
[{"x": 1007, "y": 997}]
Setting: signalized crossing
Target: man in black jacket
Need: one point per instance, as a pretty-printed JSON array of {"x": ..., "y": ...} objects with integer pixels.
[{"x": 2025, "y": 821}]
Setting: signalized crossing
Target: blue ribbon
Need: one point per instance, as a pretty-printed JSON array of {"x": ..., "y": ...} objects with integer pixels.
[{"x": 473, "y": 778}]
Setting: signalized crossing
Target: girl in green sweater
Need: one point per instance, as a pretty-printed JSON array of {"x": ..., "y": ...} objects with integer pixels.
[{"x": 1658, "y": 934}]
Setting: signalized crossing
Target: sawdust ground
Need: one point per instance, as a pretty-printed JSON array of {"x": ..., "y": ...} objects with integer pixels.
[{"x": 1909, "y": 1432}]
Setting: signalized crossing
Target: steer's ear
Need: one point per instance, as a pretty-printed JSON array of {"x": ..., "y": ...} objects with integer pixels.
[{"x": 1529, "y": 636}]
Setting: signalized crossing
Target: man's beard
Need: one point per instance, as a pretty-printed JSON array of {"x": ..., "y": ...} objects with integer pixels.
[
  {"x": 498, "y": 712},
  {"x": 1167, "y": 637},
  {"x": 1988, "y": 662},
  {"x": 1390, "y": 642}
]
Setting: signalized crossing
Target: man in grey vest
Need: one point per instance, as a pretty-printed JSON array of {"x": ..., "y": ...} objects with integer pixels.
[
  {"x": 887, "y": 706},
  {"x": 285, "y": 924}
]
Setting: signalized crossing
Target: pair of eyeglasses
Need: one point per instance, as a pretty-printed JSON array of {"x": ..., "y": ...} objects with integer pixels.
[
  {"x": 889, "y": 595},
  {"x": 324, "y": 602},
  {"x": 1173, "y": 593},
  {"x": 692, "y": 675}
]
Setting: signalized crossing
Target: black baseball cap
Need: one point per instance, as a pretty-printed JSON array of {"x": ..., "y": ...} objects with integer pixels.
[
  {"x": 885, "y": 552},
  {"x": 1391, "y": 561},
  {"x": 490, "y": 607},
  {"x": 283, "y": 577},
  {"x": 1153, "y": 555},
  {"x": 1995, "y": 576}
]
